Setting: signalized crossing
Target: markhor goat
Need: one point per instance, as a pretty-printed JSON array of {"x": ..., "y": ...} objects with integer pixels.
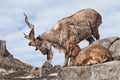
[{"x": 70, "y": 30}]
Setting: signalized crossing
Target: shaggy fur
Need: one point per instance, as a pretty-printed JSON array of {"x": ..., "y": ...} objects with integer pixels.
[
  {"x": 70, "y": 30},
  {"x": 72, "y": 51},
  {"x": 80, "y": 26}
]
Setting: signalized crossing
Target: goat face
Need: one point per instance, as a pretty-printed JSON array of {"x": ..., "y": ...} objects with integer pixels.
[
  {"x": 44, "y": 47},
  {"x": 40, "y": 44}
]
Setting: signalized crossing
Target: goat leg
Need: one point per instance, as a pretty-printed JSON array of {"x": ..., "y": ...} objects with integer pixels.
[
  {"x": 90, "y": 40},
  {"x": 96, "y": 34},
  {"x": 66, "y": 61},
  {"x": 72, "y": 62}
]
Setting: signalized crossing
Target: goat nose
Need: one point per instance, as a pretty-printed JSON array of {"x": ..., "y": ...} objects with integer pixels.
[
  {"x": 36, "y": 49},
  {"x": 46, "y": 52}
]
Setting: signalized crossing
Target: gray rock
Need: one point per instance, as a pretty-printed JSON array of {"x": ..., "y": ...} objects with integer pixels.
[
  {"x": 112, "y": 44},
  {"x": 74, "y": 73},
  {"x": 106, "y": 42},
  {"x": 47, "y": 64},
  {"x": 14, "y": 69},
  {"x": 105, "y": 71},
  {"x": 2, "y": 47},
  {"x": 3, "y": 51},
  {"x": 115, "y": 49}
]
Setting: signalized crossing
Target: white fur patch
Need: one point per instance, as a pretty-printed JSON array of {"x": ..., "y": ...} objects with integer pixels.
[{"x": 56, "y": 26}]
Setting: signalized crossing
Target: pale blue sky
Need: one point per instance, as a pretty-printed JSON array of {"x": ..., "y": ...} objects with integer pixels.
[{"x": 44, "y": 14}]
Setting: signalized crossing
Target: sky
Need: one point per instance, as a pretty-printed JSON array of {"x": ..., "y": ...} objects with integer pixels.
[{"x": 44, "y": 14}]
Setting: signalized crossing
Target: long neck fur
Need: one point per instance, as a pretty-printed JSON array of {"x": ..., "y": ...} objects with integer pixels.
[{"x": 53, "y": 36}]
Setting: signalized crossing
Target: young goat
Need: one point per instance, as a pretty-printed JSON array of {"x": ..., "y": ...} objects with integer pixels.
[{"x": 90, "y": 55}]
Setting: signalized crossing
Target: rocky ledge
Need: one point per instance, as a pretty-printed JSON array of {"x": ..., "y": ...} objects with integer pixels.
[
  {"x": 105, "y": 71},
  {"x": 13, "y": 69}
]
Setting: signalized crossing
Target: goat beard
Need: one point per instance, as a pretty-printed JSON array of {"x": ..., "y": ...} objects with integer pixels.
[{"x": 49, "y": 56}]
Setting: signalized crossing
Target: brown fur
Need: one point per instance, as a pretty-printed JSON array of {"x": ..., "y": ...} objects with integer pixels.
[
  {"x": 72, "y": 52},
  {"x": 80, "y": 26},
  {"x": 70, "y": 30},
  {"x": 93, "y": 54}
]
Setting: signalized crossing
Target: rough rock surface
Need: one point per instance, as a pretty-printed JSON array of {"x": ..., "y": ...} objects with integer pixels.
[
  {"x": 112, "y": 44},
  {"x": 3, "y": 51},
  {"x": 10, "y": 67},
  {"x": 105, "y": 71},
  {"x": 13, "y": 69}
]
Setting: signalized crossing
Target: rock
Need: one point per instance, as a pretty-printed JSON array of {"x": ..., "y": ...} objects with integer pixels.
[
  {"x": 115, "y": 48},
  {"x": 47, "y": 64},
  {"x": 11, "y": 67},
  {"x": 2, "y": 47},
  {"x": 15, "y": 64},
  {"x": 112, "y": 44},
  {"x": 8, "y": 61},
  {"x": 106, "y": 42},
  {"x": 45, "y": 73},
  {"x": 49, "y": 71},
  {"x": 3, "y": 51},
  {"x": 14, "y": 69},
  {"x": 105, "y": 71},
  {"x": 36, "y": 71}
]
